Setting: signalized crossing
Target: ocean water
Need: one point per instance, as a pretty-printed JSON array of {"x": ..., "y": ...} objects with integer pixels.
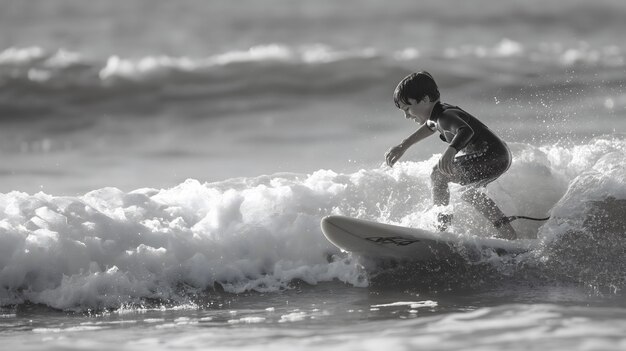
[{"x": 166, "y": 165}]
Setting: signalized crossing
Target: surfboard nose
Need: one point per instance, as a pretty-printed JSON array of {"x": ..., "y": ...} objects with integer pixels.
[
  {"x": 340, "y": 231},
  {"x": 327, "y": 224},
  {"x": 334, "y": 222}
]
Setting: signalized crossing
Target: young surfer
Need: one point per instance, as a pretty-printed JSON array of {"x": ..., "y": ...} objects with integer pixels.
[{"x": 475, "y": 155}]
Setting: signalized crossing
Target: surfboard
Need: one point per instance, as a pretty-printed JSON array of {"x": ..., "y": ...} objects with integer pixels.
[{"x": 379, "y": 240}]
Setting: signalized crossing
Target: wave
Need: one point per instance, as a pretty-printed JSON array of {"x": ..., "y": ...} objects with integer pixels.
[
  {"x": 37, "y": 84},
  {"x": 109, "y": 248}
]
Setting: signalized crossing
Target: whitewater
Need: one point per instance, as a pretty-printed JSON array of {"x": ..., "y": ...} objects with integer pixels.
[
  {"x": 108, "y": 249},
  {"x": 242, "y": 263}
]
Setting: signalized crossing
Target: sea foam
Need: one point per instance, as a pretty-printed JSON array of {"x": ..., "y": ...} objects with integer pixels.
[{"x": 109, "y": 248}]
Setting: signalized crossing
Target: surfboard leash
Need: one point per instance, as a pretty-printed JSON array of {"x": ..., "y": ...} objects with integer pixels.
[{"x": 504, "y": 220}]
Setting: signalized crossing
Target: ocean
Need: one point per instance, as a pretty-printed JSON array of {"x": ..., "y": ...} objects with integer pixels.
[{"x": 165, "y": 167}]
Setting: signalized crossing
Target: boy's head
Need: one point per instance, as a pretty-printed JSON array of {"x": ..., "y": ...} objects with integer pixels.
[{"x": 416, "y": 86}]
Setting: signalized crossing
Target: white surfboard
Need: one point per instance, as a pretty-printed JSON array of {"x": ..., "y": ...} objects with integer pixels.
[{"x": 378, "y": 240}]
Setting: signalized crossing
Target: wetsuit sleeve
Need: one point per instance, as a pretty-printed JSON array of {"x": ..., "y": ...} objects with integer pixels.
[{"x": 451, "y": 123}]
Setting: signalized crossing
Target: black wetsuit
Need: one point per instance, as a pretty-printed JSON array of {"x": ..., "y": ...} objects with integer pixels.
[{"x": 483, "y": 156}]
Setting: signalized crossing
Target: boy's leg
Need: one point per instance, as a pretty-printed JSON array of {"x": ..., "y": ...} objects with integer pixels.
[
  {"x": 441, "y": 197},
  {"x": 441, "y": 192},
  {"x": 483, "y": 204},
  {"x": 477, "y": 168}
]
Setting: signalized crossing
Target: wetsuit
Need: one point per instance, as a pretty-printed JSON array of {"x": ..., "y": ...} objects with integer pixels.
[{"x": 483, "y": 156}]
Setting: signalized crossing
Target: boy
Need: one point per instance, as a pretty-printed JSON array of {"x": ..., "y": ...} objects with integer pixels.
[{"x": 484, "y": 157}]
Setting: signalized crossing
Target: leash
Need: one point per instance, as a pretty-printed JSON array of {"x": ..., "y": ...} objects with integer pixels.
[{"x": 504, "y": 220}]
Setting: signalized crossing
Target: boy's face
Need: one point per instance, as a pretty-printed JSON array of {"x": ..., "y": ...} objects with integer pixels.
[{"x": 418, "y": 111}]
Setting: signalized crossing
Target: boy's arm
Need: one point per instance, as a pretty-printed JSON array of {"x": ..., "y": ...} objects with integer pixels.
[
  {"x": 394, "y": 154},
  {"x": 453, "y": 123},
  {"x": 445, "y": 162},
  {"x": 463, "y": 133}
]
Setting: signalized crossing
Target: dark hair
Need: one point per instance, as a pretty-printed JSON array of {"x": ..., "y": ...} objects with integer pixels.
[{"x": 416, "y": 86}]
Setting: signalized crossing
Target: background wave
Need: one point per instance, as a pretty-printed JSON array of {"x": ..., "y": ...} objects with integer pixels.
[{"x": 38, "y": 84}]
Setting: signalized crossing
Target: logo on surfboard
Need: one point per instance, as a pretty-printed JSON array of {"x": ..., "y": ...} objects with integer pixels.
[{"x": 396, "y": 240}]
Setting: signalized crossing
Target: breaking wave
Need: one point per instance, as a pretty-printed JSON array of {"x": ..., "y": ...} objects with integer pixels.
[{"x": 109, "y": 248}]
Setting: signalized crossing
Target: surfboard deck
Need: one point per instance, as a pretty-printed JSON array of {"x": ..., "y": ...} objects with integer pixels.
[{"x": 379, "y": 240}]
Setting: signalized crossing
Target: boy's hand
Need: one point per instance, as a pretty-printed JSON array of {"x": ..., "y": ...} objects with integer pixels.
[
  {"x": 445, "y": 162},
  {"x": 394, "y": 154}
]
